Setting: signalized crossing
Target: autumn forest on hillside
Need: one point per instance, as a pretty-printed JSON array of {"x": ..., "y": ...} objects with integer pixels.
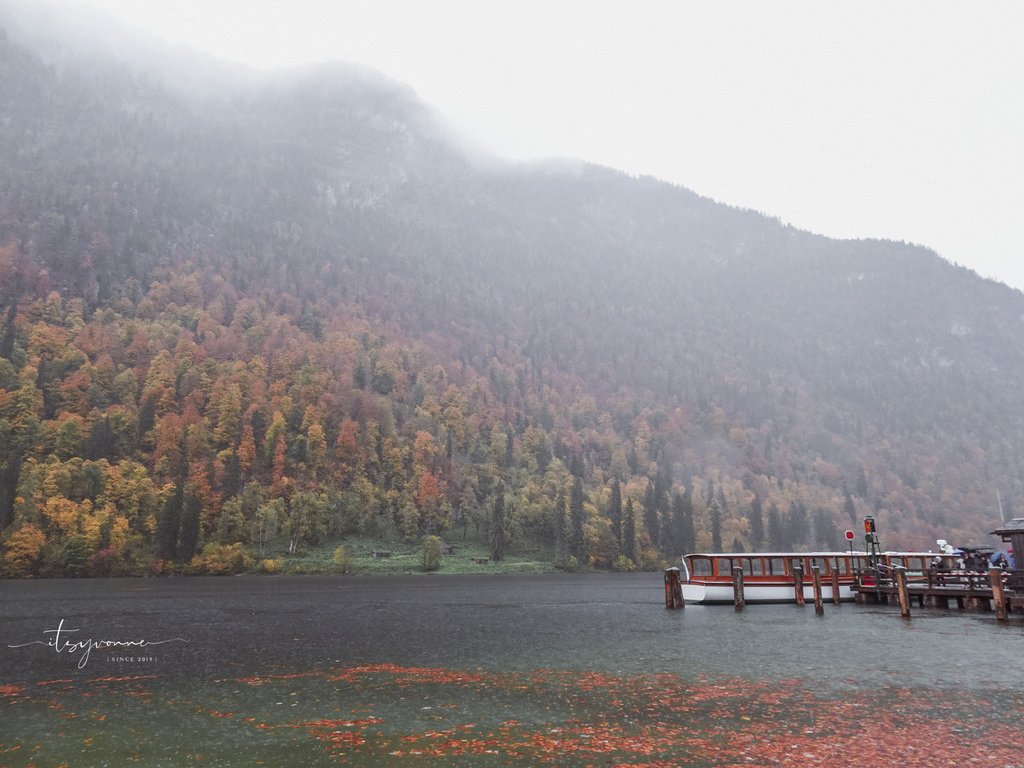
[
  {"x": 185, "y": 425},
  {"x": 242, "y": 328}
]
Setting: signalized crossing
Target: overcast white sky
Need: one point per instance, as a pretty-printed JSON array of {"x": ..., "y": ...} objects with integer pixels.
[{"x": 853, "y": 119}]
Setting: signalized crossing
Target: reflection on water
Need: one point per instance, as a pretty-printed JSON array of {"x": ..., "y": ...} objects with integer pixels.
[{"x": 523, "y": 670}]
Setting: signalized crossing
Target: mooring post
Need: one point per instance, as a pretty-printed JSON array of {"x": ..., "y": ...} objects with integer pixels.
[
  {"x": 835, "y": 581},
  {"x": 900, "y": 574},
  {"x": 737, "y": 587},
  {"x": 798, "y": 583},
  {"x": 673, "y": 589},
  {"x": 819, "y": 607},
  {"x": 995, "y": 577}
]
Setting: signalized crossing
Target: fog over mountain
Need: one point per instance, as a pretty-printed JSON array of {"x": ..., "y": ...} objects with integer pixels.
[{"x": 296, "y": 297}]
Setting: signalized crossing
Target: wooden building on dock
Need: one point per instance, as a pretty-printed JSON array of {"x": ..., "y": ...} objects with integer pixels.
[{"x": 1013, "y": 533}]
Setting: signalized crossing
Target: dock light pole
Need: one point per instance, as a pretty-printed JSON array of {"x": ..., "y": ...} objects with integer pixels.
[{"x": 873, "y": 550}]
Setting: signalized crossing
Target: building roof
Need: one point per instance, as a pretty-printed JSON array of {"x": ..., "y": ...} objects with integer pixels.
[{"x": 1014, "y": 526}]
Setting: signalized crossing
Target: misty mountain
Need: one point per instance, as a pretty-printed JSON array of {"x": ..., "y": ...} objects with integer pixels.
[{"x": 636, "y": 329}]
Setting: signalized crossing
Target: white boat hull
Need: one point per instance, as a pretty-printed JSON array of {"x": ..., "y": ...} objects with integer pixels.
[{"x": 709, "y": 594}]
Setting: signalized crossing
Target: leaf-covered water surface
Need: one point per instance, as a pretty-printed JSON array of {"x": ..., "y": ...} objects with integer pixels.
[{"x": 384, "y": 714}]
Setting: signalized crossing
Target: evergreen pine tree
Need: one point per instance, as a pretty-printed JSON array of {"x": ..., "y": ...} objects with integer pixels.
[
  {"x": 8, "y": 480},
  {"x": 188, "y": 537},
  {"x": 777, "y": 539},
  {"x": 498, "y": 525},
  {"x": 561, "y": 544},
  {"x": 651, "y": 515},
  {"x": 756, "y": 520},
  {"x": 687, "y": 529},
  {"x": 798, "y": 525},
  {"x": 629, "y": 531},
  {"x": 232, "y": 474},
  {"x": 10, "y": 330},
  {"x": 576, "y": 466},
  {"x": 615, "y": 511},
  {"x": 169, "y": 522},
  {"x": 670, "y": 536},
  {"x": 715, "y": 514},
  {"x": 825, "y": 533},
  {"x": 662, "y": 501},
  {"x": 74, "y": 556},
  {"x": 100, "y": 443},
  {"x": 862, "y": 483},
  {"x": 848, "y": 506},
  {"x": 577, "y": 541}
]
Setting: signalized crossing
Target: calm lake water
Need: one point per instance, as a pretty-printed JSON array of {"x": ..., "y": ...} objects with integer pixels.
[{"x": 480, "y": 670}]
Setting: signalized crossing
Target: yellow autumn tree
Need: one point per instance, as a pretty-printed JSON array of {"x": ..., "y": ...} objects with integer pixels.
[{"x": 22, "y": 551}]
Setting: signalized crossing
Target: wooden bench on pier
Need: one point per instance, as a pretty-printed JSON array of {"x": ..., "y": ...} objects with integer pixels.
[{"x": 377, "y": 554}]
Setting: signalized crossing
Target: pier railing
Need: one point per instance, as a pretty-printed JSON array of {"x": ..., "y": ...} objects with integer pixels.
[
  {"x": 963, "y": 580},
  {"x": 972, "y": 590}
]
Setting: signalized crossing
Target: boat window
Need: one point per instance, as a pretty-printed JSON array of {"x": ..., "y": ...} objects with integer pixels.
[
  {"x": 820, "y": 562},
  {"x": 777, "y": 566},
  {"x": 725, "y": 566},
  {"x": 747, "y": 565},
  {"x": 756, "y": 566},
  {"x": 701, "y": 566},
  {"x": 843, "y": 564}
]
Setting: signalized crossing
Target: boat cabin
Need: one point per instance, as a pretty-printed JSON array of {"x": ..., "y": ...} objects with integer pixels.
[
  {"x": 717, "y": 566},
  {"x": 769, "y": 564}
]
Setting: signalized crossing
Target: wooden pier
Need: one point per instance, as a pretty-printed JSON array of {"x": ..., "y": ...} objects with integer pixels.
[
  {"x": 1001, "y": 590},
  {"x": 965, "y": 590},
  {"x": 927, "y": 579}
]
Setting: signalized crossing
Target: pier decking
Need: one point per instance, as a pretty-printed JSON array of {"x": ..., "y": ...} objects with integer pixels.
[{"x": 972, "y": 591}]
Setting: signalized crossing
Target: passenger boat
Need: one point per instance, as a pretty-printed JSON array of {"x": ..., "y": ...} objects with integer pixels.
[{"x": 769, "y": 577}]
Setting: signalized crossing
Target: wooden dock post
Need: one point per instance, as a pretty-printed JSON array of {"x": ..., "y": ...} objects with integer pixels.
[
  {"x": 819, "y": 607},
  {"x": 900, "y": 574},
  {"x": 995, "y": 577},
  {"x": 798, "y": 583},
  {"x": 835, "y": 582},
  {"x": 673, "y": 589},
  {"x": 737, "y": 588}
]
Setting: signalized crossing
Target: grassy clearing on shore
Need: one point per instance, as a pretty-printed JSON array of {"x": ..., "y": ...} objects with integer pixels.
[{"x": 403, "y": 558}]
